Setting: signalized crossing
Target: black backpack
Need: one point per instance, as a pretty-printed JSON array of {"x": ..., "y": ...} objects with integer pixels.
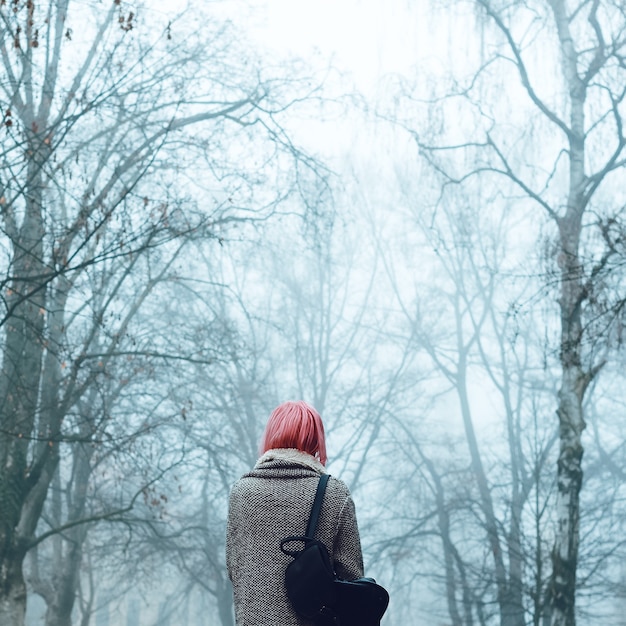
[{"x": 315, "y": 591}]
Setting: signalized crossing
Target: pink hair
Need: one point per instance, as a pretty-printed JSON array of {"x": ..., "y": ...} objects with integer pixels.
[{"x": 295, "y": 425}]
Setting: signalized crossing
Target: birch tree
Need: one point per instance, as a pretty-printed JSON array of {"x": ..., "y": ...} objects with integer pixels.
[{"x": 555, "y": 146}]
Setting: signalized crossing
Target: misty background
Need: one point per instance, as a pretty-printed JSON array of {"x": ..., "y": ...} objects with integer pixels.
[{"x": 410, "y": 215}]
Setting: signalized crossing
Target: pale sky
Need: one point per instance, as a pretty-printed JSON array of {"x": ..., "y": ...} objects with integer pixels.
[{"x": 365, "y": 38}]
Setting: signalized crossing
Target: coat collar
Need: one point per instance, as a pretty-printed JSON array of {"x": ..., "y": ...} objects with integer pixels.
[{"x": 290, "y": 456}]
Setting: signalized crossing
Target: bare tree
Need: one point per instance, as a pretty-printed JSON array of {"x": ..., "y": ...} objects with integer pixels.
[
  {"x": 107, "y": 113},
  {"x": 567, "y": 168},
  {"x": 485, "y": 357}
]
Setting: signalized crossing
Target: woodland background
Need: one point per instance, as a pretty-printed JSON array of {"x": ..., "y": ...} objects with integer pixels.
[{"x": 194, "y": 228}]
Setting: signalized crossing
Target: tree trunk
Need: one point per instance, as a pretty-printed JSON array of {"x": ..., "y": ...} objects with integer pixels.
[
  {"x": 19, "y": 391},
  {"x": 66, "y": 579},
  {"x": 443, "y": 523},
  {"x": 511, "y": 614},
  {"x": 13, "y": 592},
  {"x": 59, "y": 611},
  {"x": 573, "y": 378},
  {"x": 571, "y": 426},
  {"x": 225, "y": 606}
]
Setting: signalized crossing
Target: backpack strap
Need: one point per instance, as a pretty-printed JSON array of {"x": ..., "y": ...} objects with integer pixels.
[{"x": 317, "y": 505}]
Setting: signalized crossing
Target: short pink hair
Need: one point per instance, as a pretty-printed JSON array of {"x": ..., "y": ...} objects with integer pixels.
[{"x": 295, "y": 425}]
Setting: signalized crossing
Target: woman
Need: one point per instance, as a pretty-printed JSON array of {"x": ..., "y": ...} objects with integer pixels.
[{"x": 274, "y": 501}]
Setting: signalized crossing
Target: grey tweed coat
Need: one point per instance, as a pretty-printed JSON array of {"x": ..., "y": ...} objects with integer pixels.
[{"x": 269, "y": 503}]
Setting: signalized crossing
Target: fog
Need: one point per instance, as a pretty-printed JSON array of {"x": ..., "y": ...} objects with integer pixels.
[{"x": 412, "y": 217}]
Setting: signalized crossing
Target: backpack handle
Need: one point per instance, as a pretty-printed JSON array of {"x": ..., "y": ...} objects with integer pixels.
[
  {"x": 317, "y": 505},
  {"x": 307, "y": 538}
]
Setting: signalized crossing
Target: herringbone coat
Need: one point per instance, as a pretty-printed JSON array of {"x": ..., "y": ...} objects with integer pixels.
[{"x": 269, "y": 503}]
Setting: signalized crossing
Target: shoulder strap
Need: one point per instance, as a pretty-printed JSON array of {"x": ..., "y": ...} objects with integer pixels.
[{"x": 317, "y": 505}]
